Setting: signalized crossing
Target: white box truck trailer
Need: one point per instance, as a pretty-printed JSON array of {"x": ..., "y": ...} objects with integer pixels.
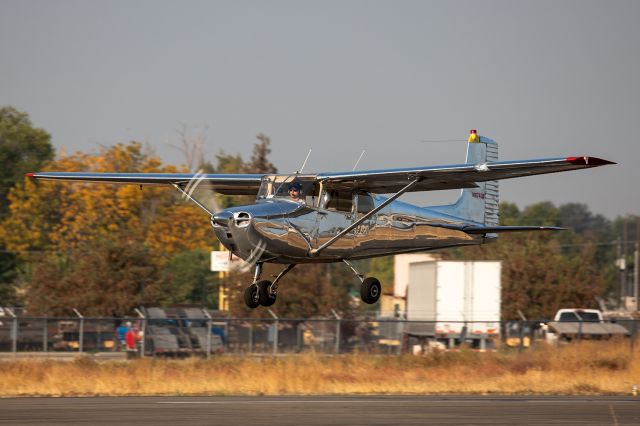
[{"x": 454, "y": 300}]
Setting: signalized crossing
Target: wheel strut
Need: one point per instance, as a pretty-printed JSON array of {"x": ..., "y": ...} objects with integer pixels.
[
  {"x": 370, "y": 289},
  {"x": 257, "y": 272},
  {"x": 274, "y": 286},
  {"x": 355, "y": 271}
]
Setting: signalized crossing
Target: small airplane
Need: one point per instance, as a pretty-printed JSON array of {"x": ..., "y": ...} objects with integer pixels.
[{"x": 339, "y": 217}]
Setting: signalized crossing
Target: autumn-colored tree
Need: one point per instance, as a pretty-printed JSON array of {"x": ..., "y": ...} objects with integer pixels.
[
  {"x": 47, "y": 215},
  {"x": 74, "y": 220}
]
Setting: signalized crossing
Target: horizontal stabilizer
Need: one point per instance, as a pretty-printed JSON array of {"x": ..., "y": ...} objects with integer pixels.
[{"x": 496, "y": 229}]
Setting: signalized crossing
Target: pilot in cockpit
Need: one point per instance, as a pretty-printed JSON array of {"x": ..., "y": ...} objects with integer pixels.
[{"x": 295, "y": 191}]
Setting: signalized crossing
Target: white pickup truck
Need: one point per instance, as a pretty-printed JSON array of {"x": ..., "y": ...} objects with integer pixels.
[{"x": 570, "y": 324}]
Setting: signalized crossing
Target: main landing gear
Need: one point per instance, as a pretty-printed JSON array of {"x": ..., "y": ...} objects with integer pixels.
[
  {"x": 263, "y": 293},
  {"x": 370, "y": 288}
]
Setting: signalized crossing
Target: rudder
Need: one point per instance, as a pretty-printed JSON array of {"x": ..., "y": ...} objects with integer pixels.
[{"x": 479, "y": 205}]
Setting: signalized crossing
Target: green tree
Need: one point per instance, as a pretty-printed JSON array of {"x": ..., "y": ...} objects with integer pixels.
[
  {"x": 23, "y": 148},
  {"x": 509, "y": 214},
  {"x": 382, "y": 269},
  {"x": 540, "y": 214},
  {"x": 230, "y": 164},
  {"x": 186, "y": 278},
  {"x": 581, "y": 220}
]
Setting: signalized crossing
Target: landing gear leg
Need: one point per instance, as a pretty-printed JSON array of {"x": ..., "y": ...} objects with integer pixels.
[
  {"x": 268, "y": 291},
  {"x": 251, "y": 293},
  {"x": 274, "y": 286},
  {"x": 370, "y": 288}
]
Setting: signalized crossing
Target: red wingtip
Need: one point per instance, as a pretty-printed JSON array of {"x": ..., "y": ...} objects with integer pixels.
[
  {"x": 589, "y": 161},
  {"x": 29, "y": 175}
]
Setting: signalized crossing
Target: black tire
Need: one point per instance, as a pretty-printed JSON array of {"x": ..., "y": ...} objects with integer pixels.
[
  {"x": 249, "y": 296},
  {"x": 265, "y": 297},
  {"x": 370, "y": 290}
]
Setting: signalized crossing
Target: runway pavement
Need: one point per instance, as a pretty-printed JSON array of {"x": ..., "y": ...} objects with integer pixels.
[{"x": 314, "y": 410}]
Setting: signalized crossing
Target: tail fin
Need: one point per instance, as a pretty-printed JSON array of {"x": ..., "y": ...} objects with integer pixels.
[{"x": 478, "y": 205}]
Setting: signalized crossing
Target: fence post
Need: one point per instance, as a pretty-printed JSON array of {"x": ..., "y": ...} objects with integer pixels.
[
  {"x": 99, "y": 335},
  {"x": 580, "y": 331},
  {"x": 531, "y": 334},
  {"x": 338, "y": 323},
  {"x": 275, "y": 331},
  {"x": 81, "y": 332},
  {"x": 208, "y": 317},
  {"x": 45, "y": 337},
  {"x": 520, "y": 336},
  {"x": 225, "y": 340},
  {"x": 14, "y": 332},
  {"x": 144, "y": 331}
]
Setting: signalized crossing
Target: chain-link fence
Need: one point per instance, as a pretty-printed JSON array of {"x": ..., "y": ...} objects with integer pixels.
[{"x": 156, "y": 335}]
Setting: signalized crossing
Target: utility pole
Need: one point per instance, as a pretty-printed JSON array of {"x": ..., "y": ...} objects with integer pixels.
[
  {"x": 625, "y": 280},
  {"x": 620, "y": 265},
  {"x": 636, "y": 260}
]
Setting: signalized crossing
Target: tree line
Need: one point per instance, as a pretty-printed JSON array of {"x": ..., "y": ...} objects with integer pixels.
[{"x": 105, "y": 249}]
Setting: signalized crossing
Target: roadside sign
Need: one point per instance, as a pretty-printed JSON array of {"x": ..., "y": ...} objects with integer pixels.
[{"x": 221, "y": 262}]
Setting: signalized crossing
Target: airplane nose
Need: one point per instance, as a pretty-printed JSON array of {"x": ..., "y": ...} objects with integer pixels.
[{"x": 222, "y": 218}]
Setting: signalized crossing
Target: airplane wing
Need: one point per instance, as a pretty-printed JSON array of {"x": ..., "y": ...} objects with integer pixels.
[
  {"x": 376, "y": 181},
  {"x": 228, "y": 184},
  {"x": 452, "y": 177}
]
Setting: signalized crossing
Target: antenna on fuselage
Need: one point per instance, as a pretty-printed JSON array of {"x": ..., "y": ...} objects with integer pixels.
[
  {"x": 304, "y": 163},
  {"x": 442, "y": 140},
  {"x": 359, "y": 158}
]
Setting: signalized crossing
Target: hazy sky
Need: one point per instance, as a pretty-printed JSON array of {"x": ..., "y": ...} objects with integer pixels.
[{"x": 543, "y": 79}]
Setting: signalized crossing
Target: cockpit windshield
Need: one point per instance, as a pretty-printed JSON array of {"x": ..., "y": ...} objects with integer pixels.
[{"x": 296, "y": 188}]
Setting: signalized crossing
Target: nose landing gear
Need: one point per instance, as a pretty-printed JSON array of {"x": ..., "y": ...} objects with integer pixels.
[
  {"x": 266, "y": 295},
  {"x": 263, "y": 292}
]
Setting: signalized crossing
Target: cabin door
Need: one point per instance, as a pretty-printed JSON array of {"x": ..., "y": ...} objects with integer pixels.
[{"x": 335, "y": 213}]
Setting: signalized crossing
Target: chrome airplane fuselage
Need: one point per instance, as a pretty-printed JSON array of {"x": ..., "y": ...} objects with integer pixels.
[{"x": 283, "y": 231}]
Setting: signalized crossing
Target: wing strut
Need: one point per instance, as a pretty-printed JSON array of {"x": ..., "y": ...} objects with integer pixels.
[
  {"x": 314, "y": 252},
  {"x": 188, "y": 196}
]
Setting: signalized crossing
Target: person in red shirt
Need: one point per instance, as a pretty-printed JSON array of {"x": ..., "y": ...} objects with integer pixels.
[{"x": 130, "y": 339}]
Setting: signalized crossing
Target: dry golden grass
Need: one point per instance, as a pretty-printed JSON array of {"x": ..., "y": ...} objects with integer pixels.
[{"x": 587, "y": 368}]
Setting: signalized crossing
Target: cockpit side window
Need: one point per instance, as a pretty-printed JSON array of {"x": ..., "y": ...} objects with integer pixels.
[
  {"x": 266, "y": 188},
  {"x": 279, "y": 186},
  {"x": 339, "y": 201}
]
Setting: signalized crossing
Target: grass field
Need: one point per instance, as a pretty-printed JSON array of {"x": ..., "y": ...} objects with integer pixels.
[{"x": 587, "y": 368}]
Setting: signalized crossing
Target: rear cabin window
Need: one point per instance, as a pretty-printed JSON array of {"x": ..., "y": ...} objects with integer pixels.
[
  {"x": 340, "y": 201},
  {"x": 364, "y": 203}
]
